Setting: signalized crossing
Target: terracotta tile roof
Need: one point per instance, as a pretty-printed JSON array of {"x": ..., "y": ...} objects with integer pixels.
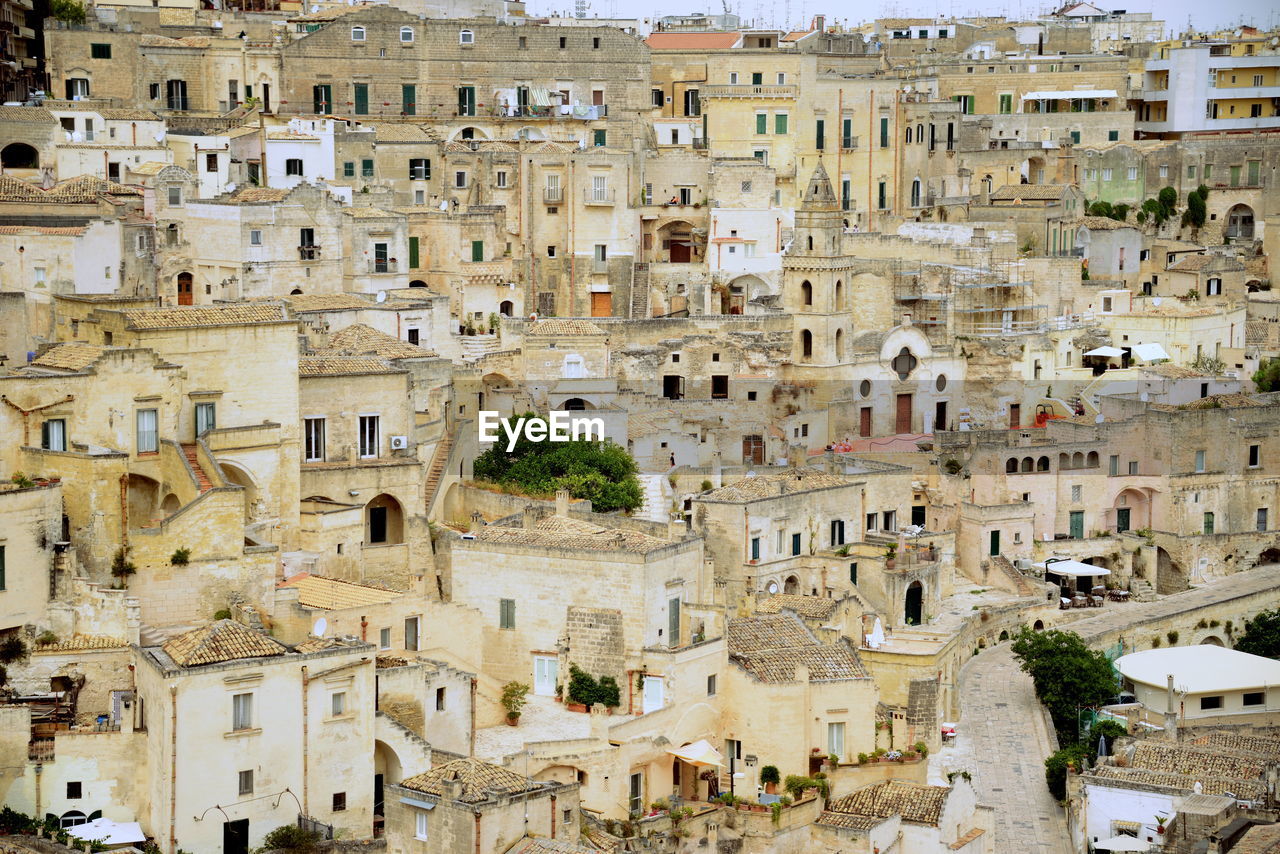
[
  {"x": 87, "y": 186},
  {"x": 1262, "y": 839},
  {"x": 46, "y": 230},
  {"x": 1029, "y": 192},
  {"x": 599, "y": 840},
  {"x": 359, "y": 339},
  {"x": 1213, "y": 401},
  {"x": 479, "y": 780},
  {"x": 1245, "y": 789},
  {"x": 1195, "y": 761},
  {"x": 225, "y": 640},
  {"x": 916, "y": 803},
  {"x": 15, "y": 190},
  {"x": 330, "y": 14},
  {"x": 572, "y": 534},
  {"x": 190, "y": 316},
  {"x": 813, "y": 607},
  {"x": 692, "y": 41},
  {"x": 548, "y": 846},
  {"x": 1191, "y": 263},
  {"x": 1255, "y": 744},
  {"x": 343, "y": 366},
  {"x": 771, "y": 647},
  {"x": 26, "y": 114},
  {"x": 1102, "y": 223},
  {"x": 326, "y": 302},
  {"x": 164, "y": 41},
  {"x": 77, "y": 643},
  {"x": 849, "y": 822},
  {"x": 368, "y": 213},
  {"x": 563, "y": 327},
  {"x": 401, "y": 132},
  {"x": 251, "y": 195},
  {"x": 70, "y": 357},
  {"x": 321, "y": 644},
  {"x": 151, "y": 167},
  {"x": 770, "y": 485}
]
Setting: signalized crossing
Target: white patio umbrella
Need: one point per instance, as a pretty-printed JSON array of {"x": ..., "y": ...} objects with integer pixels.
[
  {"x": 876, "y": 639},
  {"x": 1071, "y": 568},
  {"x": 1121, "y": 843},
  {"x": 1109, "y": 352}
]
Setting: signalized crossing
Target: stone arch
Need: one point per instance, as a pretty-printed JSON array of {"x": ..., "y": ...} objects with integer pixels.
[
  {"x": 383, "y": 521},
  {"x": 1170, "y": 576},
  {"x": 387, "y": 762},
  {"x": 19, "y": 155},
  {"x": 417, "y": 283},
  {"x": 913, "y": 604},
  {"x": 791, "y": 585},
  {"x": 576, "y": 404},
  {"x": 1269, "y": 555},
  {"x": 1077, "y": 460},
  {"x": 1028, "y": 464},
  {"x": 806, "y": 344},
  {"x": 1032, "y": 170},
  {"x": 1064, "y": 461},
  {"x": 237, "y": 475},
  {"x": 295, "y": 292},
  {"x": 1042, "y": 464},
  {"x": 1211, "y": 640},
  {"x": 1131, "y": 506},
  {"x": 1038, "y": 626},
  {"x": 1011, "y": 465},
  {"x": 675, "y": 241},
  {"x": 470, "y": 132},
  {"x": 839, "y": 295},
  {"x": 1091, "y": 461},
  {"x": 170, "y": 505},
  {"x": 1239, "y": 222},
  {"x": 507, "y": 308},
  {"x": 839, "y": 345},
  {"x": 806, "y": 292},
  {"x": 143, "y": 499}
]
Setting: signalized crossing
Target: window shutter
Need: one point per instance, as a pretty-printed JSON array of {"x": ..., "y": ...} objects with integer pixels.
[{"x": 413, "y": 253}]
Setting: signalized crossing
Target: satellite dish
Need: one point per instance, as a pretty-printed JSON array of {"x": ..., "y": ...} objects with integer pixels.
[
  {"x": 444, "y": 206},
  {"x": 751, "y": 473},
  {"x": 381, "y": 297},
  {"x": 314, "y": 8},
  {"x": 773, "y": 587},
  {"x": 1155, "y": 300},
  {"x": 319, "y": 628}
]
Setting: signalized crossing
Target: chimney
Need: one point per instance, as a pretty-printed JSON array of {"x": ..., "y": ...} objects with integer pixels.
[
  {"x": 676, "y": 530},
  {"x": 819, "y": 22},
  {"x": 1170, "y": 714},
  {"x": 477, "y": 522},
  {"x": 527, "y": 517},
  {"x": 562, "y": 502},
  {"x": 906, "y": 320}
]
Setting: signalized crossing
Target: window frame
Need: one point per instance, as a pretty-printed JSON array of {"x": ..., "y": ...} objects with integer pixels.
[
  {"x": 359, "y": 34},
  {"x": 412, "y": 35},
  {"x": 153, "y": 446},
  {"x": 368, "y": 445},
  {"x": 308, "y": 440},
  {"x": 242, "y": 711}
]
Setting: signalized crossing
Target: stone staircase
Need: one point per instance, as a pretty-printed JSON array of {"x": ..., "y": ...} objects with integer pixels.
[
  {"x": 436, "y": 473},
  {"x": 476, "y": 346},
  {"x": 202, "y": 480},
  {"x": 1142, "y": 591},
  {"x": 1020, "y": 582},
  {"x": 657, "y": 498},
  {"x": 640, "y": 291}
]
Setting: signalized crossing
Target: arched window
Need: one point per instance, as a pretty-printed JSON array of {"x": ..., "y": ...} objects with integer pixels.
[
  {"x": 839, "y": 295},
  {"x": 915, "y": 193},
  {"x": 417, "y": 283},
  {"x": 466, "y": 37},
  {"x": 810, "y": 243},
  {"x": 357, "y": 34},
  {"x": 1077, "y": 460},
  {"x": 1064, "y": 462},
  {"x": 839, "y": 345},
  {"x": 19, "y": 155},
  {"x": 295, "y": 292},
  {"x": 919, "y": 134},
  {"x": 506, "y": 307},
  {"x": 806, "y": 292},
  {"x": 806, "y": 344},
  {"x": 1092, "y": 460},
  {"x": 1042, "y": 464},
  {"x": 1011, "y": 465},
  {"x": 908, "y": 134},
  {"x": 406, "y": 34}
]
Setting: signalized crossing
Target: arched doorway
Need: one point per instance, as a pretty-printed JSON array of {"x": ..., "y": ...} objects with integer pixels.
[
  {"x": 1212, "y": 640},
  {"x": 507, "y": 308},
  {"x": 237, "y": 476},
  {"x": 143, "y": 500},
  {"x": 791, "y": 585},
  {"x": 1032, "y": 171},
  {"x": 295, "y": 292},
  {"x": 1038, "y": 626},
  {"x": 1239, "y": 222},
  {"x": 1267, "y": 556},
  {"x": 417, "y": 283},
  {"x": 383, "y": 521},
  {"x": 676, "y": 243},
  {"x": 19, "y": 155},
  {"x": 806, "y": 344},
  {"x": 913, "y": 608},
  {"x": 1131, "y": 511},
  {"x": 386, "y": 770},
  {"x": 576, "y": 404},
  {"x": 186, "y": 283}
]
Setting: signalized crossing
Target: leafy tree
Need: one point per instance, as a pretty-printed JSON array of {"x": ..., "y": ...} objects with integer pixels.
[
  {"x": 602, "y": 472},
  {"x": 290, "y": 837},
  {"x": 1068, "y": 675},
  {"x": 1117, "y": 212},
  {"x": 68, "y": 11},
  {"x": 1055, "y": 768},
  {"x": 1267, "y": 377},
  {"x": 1262, "y": 635},
  {"x": 1194, "y": 215}
]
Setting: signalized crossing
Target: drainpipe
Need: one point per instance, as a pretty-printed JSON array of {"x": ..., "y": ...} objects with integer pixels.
[
  {"x": 124, "y": 511},
  {"x": 133, "y": 133},
  {"x": 173, "y": 768},
  {"x": 553, "y": 816},
  {"x": 572, "y": 242},
  {"x": 477, "y": 831},
  {"x": 471, "y": 742}
]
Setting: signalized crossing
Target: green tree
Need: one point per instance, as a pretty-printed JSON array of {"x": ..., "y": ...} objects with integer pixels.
[
  {"x": 601, "y": 472},
  {"x": 1055, "y": 768},
  {"x": 290, "y": 837},
  {"x": 1067, "y": 674},
  {"x": 1267, "y": 377},
  {"x": 1262, "y": 635},
  {"x": 67, "y": 11},
  {"x": 1194, "y": 215}
]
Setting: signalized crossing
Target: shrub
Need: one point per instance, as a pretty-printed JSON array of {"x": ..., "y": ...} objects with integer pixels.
[
  {"x": 21, "y": 480},
  {"x": 222, "y": 614},
  {"x": 608, "y": 693},
  {"x": 121, "y": 566},
  {"x": 769, "y": 774},
  {"x": 795, "y": 785},
  {"x": 1267, "y": 377},
  {"x": 587, "y": 690},
  {"x": 1173, "y": 638},
  {"x": 68, "y": 11},
  {"x": 952, "y": 466},
  {"x": 12, "y": 649},
  {"x": 1055, "y": 768},
  {"x": 180, "y": 557},
  {"x": 514, "y": 696},
  {"x": 47, "y": 638},
  {"x": 290, "y": 837},
  {"x": 706, "y": 486},
  {"x": 922, "y": 748},
  {"x": 863, "y": 758}
]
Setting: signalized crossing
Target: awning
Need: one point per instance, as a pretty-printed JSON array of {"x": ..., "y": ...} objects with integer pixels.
[
  {"x": 1150, "y": 352},
  {"x": 109, "y": 832},
  {"x": 699, "y": 753},
  {"x": 420, "y": 804},
  {"x": 1109, "y": 352},
  {"x": 1068, "y": 94},
  {"x": 1121, "y": 843},
  {"x": 1071, "y": 568},
  {"x": 540, "y": 97}
]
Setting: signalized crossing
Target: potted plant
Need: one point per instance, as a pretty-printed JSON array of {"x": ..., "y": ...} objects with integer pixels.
[
  {"x": 890, "y": 555},
  {"x": 833, "y": 761},
  {"x": 514, "y": 696},
  {"x": 770, "y": 778},
  {"x": 1160, "y": 822}
]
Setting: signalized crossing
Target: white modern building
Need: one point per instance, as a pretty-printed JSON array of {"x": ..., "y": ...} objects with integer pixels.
[
  {"x": 1202, "y": 87},
  {"x": 1208, "y": 681}
]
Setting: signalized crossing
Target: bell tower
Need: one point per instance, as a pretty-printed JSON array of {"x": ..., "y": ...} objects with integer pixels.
[{"x": 814, "y": 273}]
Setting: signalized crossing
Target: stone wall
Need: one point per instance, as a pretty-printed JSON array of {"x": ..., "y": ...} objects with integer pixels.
[{"x": 595, "y": 642}]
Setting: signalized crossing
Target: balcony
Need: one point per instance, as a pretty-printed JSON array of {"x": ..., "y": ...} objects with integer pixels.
[
  {"x": 309, "y": 253},
  {"x": 553, "y": 195},
  {"x": 385, "y": 266},
  {"x": 849, "y": 143},
  {"x": 581, "y": 112},
  {"x": 596, "y": 196},
  {"x": 747, "y": 91}
]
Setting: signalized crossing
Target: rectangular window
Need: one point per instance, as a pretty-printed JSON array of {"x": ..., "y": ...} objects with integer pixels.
[
  {"x": 255, "y": 237},
  {"x": 366, "y": 168},
  {"x": 100, "y": 51},
  {"x": 1106, "y": 174},
  {"x": 884, "y": 134},
  {"x": 338, "y": 704},
  {"x": 1255, "y": 455},
  {"x": 419, "y": 169},
  {"x": 477, "y": 250},
  {"x": 820, "y": 136},
  {"x": 599, "y": 138},
  {"x": 440, "y": 699},
  {"x": 1254, "y": 698},
  {"x": 369, "y": 443},
  {"x": 835, "y": 739},
  {"x": 313, "y": 435},
  {"x": 384, "y": 638},
  {"x": 411, "y": 634},
  {"x": 415, "y": 254},
  {"x": 1207, "y": 703},
  {"x": 1006, "y": 104},
  {"x": 360, "y": 92},
  {"x": 1113, "y": 465},
  {"x": 420, "y": 816},
  {"x": 1199, "y": 460},
  {"x": 148, "y": 441},
  {"x": 1260, "y": 521},
  {"x": 755, "y": 548},
  {"x": 349, "y": 169},
  {"x": 1133, "y": 466},
  {"x": 339, "y": 801},
  {"x": 882, "y": 195},
  {"x": 720, "y": 387},
  {"x": 74, "y": 790},
  {"x": 506, "y": 613},
  {"x": 206, "y": 417},
  {"x": 795, "y": 544},
  {"x": 175, "y": 197},
  {"x": 1131, "y": 173},
  {"x": 780, "y": 123},
  {"x": 241, "y": 711},
  {"x": 711, "y": 685},
  {"x": 409, "y": 99},
  {"x": 762, "y": 123},
  {"x": 501, "y": 180},
  {"x": 1076, "y": 490},
  {"x": 53, "y": 434},
  {"x": 853, "y": 573},
  {"x": 246, "y": 782}
]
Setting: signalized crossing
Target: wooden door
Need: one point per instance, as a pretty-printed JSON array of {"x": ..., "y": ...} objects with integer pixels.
[
  {"x": 753, "y": 450},
  {"x": 864, "y": 421},
  {"x": 680, "y": 252},
  {"x": 601, "y": 305},
  {"x": 1015, "y": 416},
  {"x": 185, "y": 285},
  {"x": 902, "y": 421}
]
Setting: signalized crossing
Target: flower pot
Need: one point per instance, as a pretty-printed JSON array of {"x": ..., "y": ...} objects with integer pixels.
[
  {"x": 575, "y": 707},
  {"x": 771, "y": 788},
  {"x": 513, "y": 720}
]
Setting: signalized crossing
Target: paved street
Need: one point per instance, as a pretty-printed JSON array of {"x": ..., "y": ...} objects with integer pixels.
[{"x": 1003, "y": 741}]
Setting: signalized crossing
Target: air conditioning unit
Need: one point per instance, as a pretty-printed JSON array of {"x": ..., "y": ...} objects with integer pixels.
[
  {"x": 399, "y": 443},
  {"x": 1022, "y": 563}
]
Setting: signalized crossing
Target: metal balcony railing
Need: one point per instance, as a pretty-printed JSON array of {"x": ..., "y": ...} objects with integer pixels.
[
  {"x": 309, "y": 253},
  {"x": 595, "y": 196},
  {"x": 553, "y": 195}
]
